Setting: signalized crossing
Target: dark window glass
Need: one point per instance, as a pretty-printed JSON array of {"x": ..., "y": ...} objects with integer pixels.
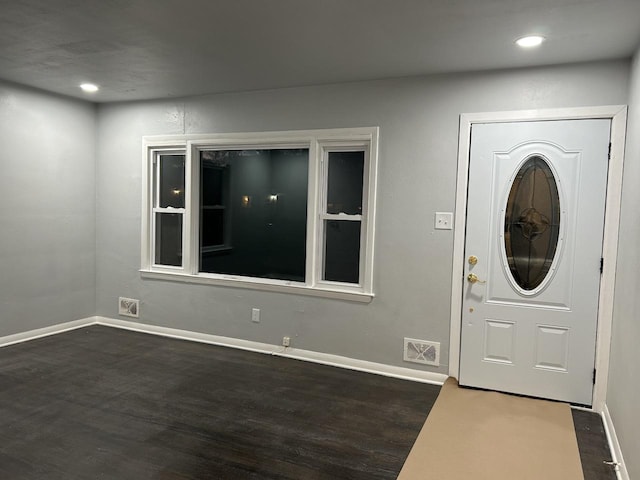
[
  {"x": 169, "y": 239},
  {"x": 258, "y": 227},
  {"x": 342, "y": 251},
  {"x": 212, "y": 227},
  {"x": 171, "y": 181},
  {"x": 344, "y": 185},
  {"x": 214, "y": 205},
  {"x": 213, "y": 178},
  {"x": 532, "y": 223}
]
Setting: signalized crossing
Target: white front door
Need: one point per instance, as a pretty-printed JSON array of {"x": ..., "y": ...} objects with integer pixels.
[{"x": 535, "y": 214}]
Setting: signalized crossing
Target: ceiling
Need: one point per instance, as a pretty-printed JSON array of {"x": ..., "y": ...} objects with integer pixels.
[{"x": 141, "y": 49}]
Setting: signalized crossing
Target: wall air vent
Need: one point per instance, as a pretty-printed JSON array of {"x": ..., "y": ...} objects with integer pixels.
[
  {"x": 422, "y": 351},
  {"x": 129, "y": 307}
]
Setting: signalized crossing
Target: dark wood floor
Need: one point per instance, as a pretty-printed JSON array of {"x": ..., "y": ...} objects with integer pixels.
[
  {"x": 102, "y": 403},
  {"x": 593, "y": 446},
  {"x": 112, "y": 404}
]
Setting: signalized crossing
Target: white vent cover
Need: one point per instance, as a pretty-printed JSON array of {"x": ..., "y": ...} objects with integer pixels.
[
  {"x": 422, "y": 351},
  {"x": 129, "y": 307}
]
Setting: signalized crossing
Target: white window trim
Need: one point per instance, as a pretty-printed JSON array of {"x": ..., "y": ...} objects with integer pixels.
[
  {"x": 149, "y": 211},
  {"x": 319, "y": 142},
  {"x": 325, "y": 149}
]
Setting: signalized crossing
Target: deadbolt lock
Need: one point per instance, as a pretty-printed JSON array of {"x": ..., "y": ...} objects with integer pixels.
[{"x": 473, "y": 260}]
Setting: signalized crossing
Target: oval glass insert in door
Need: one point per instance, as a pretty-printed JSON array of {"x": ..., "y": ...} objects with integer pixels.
[{"x": 532, "y": 224}]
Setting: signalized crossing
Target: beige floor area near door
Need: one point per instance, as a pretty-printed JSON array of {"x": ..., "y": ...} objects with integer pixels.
[{"x": 475, "y": 434}]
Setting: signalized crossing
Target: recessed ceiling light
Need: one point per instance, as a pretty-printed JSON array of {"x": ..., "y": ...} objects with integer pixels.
[
  {"x": 530, "y": 41},
  {"x": 89, "y": 87}
]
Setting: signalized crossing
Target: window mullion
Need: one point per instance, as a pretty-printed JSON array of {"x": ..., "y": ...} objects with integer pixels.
[
  {"x": 313, "y": 208},
  {"x": 156, "y": 174},
  {"x": 365, "y": 239},
  {"x": 322, "y": 212},
  {"x": 155, "y": 205},
  {"x": 152, "y": 237},
  {"x": 186, "y": 216},
  {"x": 192, "y": 243},
  {"x": 369, "y": 210}
]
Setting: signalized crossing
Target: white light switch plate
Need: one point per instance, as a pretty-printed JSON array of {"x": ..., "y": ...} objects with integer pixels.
[{"x": 444, "y": 221}]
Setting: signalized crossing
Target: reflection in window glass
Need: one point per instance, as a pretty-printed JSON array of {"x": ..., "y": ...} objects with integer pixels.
[
  {"x": 254, "y": 212},
  {"x": 214, "y": 211},
  {"x": 168, "y": 239},
  {"x": 344, "y": 185},
  {"x": 213, "y": 176},
  {"x": 532, "y": 223},
  {"x": 172, "y": 181},
  {"x": 342, "y": 251},
  {"x": 212, "y": 227}
]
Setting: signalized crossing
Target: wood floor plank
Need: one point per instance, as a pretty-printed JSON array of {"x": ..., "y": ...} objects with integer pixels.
[
  {"x": 593, "y": 446},
  {"x": 105, "y": 403}
]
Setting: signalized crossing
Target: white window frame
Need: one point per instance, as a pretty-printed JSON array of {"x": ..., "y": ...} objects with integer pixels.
[
  {"x": 319, "y": 143},
  {"x": 327, "y": 148},
  {"x": 151, "y": 195}
]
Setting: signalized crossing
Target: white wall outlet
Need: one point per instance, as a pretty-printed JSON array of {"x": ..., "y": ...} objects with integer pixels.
[
  {"x": 255, "y": 315},
  {"x": 444, "y": 221},
  {"x": 128, "y": 307},
  {"x": 422, "y": 351},
  {"x": 286, "y": 341}
]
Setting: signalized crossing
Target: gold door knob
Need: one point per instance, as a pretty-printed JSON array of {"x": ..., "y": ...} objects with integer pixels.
[
  {"x": 473, "y": 278},
  {"x": 473, "y": 260}
]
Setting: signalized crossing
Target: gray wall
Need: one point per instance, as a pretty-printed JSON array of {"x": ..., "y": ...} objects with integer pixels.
[
  {"x": 47, "y": 209},
  {"x": 624, "y": 371},
  {"x": 418, "y": 119}
]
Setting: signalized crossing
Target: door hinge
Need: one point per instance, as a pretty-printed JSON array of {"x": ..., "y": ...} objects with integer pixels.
[
  {"x": 594, "y": 376},
  {"x": 601, "y": 265},
  {"x": 609, "y": 152}
]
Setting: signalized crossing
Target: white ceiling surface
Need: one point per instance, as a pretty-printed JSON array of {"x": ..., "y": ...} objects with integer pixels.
[{"x": 140, "y": 49}]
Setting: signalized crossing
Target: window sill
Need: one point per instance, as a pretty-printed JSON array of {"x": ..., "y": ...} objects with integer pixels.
[
  {"x": 264, "y": 285},
  {"x": 217, "y": 249}
]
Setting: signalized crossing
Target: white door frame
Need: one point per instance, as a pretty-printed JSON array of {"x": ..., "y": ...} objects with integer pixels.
[{"x": 618, "y": 116}]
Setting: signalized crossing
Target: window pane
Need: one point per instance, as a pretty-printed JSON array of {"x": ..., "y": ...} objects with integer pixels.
[
  {"x": 262, "y": 195},
  {"x": 344, "y": 185},
  {"x": 212, "y": 227},
  {"x": 342, "y": 251},
  {"x": 171, "y": 181},
  {"x": 532, "y": 223},
  {"x": 169, "y": 239},
  {"x": 213, "y": 177}
]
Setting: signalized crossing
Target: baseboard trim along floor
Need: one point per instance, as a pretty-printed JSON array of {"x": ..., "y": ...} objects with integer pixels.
[
  {"x": 46, "y": 331},
  {"x": 614, "y": 445},
  {"x": 287, "y": 352},
  {"x": 266, "y": 348}
]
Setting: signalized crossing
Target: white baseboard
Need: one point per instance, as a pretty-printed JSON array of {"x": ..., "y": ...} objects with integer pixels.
[
  {"x": 46, "y": 331},
  {"x": 288, "y": 352},
  {"x": 267, "y": 348},
  {"x": 614, "y": 445}
]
